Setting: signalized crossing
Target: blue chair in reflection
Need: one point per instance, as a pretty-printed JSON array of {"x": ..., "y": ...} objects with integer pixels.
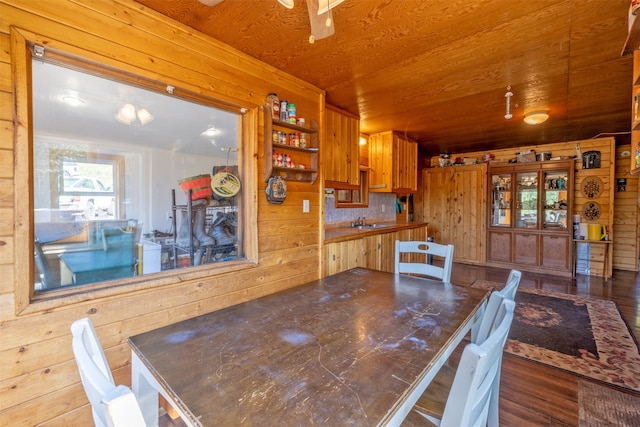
[{"x": 115, "y": 260}]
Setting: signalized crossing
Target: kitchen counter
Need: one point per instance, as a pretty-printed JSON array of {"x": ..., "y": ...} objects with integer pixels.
[{"x": 341, "y": 234}]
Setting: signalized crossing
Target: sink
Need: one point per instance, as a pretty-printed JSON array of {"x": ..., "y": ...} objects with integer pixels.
[{"x": 370, "y": 226}]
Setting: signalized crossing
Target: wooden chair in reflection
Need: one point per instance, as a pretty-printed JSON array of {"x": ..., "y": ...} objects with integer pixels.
[{"x": 47, "y": 280}]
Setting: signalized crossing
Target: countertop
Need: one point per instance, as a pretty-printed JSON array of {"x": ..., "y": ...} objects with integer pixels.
[{"x": 341, "y": 234}]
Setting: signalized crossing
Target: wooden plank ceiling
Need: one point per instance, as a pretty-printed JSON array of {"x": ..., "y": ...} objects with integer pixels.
[{"x": 438, "y": 70}]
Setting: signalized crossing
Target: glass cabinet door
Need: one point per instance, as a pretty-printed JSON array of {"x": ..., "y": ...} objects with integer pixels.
[
  {"x": 501, "y": 200},
  {"x": 555, "y": 200},
  {"x": 526, "y": 200}
]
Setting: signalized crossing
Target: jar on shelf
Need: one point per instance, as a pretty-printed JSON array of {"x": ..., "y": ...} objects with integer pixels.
[
  {"x": 273, "y": 102},
  {"x": 291, "y": 113},
  {"x": 284, "y": 114}
]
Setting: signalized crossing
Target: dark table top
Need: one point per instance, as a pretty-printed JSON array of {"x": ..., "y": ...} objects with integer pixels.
[{"x": 340, "y": 350}]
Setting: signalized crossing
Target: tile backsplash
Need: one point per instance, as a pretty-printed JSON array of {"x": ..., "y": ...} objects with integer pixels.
[{"x": 373, "y": 213}]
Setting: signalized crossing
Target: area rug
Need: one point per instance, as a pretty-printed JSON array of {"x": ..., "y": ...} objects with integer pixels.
[
  {"x": 586, "y": 336},
  {"x": 603, "y": 406}
]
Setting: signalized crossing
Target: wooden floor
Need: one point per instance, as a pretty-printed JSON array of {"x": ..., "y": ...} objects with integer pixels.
[{"x": 532, "y": 394}]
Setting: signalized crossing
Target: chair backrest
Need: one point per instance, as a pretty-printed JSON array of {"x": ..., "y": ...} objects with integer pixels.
[
  {"x": 46, "y": 275},
  {"x": 469, "y": 399},
  {"x": 490, "y": 319},
  {"x": 410, "y": 266},
  {"x": 115, "y": 238},
  {"x": 93, "y": 366},
  {"x": 510, "y": 288}
]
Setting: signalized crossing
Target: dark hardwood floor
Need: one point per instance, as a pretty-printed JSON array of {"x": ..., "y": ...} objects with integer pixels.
[{"x": 532, "y": 394}]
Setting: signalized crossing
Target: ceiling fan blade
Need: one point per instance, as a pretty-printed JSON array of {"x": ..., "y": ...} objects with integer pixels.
[
  {"x": 210, "y": 2},
  {"x": 319, "y": 27},
  {"x": 286, "y": 3},
  {"x": 326, "y": 5}
]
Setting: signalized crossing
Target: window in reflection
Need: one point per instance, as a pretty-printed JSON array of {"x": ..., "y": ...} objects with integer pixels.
[{"x": 113, "y": 163}]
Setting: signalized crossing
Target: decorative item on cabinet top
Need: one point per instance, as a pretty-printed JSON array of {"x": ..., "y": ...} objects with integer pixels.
[{"x": 305, "y": 158}]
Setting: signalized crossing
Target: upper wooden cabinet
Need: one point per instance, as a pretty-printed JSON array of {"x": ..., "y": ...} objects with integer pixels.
[
  {"x": 393, "y": 159},
  {"x": 340, "y": 151}
]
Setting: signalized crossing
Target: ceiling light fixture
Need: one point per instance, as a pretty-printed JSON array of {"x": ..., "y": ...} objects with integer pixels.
[
  {"x": 210, "y": 133},
  {"x": 536, "y": 117},
  {"x": 73, "y": 101},
  {"x": 129, "y": 114}
]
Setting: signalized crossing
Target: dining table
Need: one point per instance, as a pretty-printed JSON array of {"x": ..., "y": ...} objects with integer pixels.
[{"x": 355, "y": 348}]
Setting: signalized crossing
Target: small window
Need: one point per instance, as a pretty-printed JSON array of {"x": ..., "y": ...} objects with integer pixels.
[
  {"x": 115, "y": 159},
  {"x": 355, "y": 198}
]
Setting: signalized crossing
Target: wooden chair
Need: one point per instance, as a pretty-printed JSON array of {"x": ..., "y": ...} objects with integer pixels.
[
  {"x": 469, "y": 398},
  {"x": 408, "y": 264},
  {"x": 111, "y": 405}
]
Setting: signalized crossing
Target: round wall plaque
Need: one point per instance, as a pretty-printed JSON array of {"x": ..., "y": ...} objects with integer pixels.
[
  {"x": 591, "y": 187},
  {"x": 591, "y": 210}
]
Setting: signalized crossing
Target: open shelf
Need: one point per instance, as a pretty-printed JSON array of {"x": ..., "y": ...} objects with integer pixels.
[{"x": 310, "y": 173}]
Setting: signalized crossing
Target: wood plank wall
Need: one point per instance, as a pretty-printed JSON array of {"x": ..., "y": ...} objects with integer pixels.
[
  {"x": 39, "y": 383},
  {"x": 608, "y": 199},
  {"x": 626, "y": 217}
]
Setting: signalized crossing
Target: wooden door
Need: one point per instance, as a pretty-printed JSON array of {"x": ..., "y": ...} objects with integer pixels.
[
  {"x": 380, "y": 162},
  {"x": 342, "y": 256},
  {"x": 499, "y": 246},
  {"x": 405, "y": 164},
  {"x": 555, "y": 252},
  {"x": 454, "y": 205},
  {"x": 373, "y": 249},
  {"x": 388, "y": 252},
  {"x": 525, "y": 248}
]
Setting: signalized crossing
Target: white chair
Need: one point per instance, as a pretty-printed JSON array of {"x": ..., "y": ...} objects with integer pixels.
[
  {"x": 487, "y": 323},
  {"x": 410, "y": 266},
  {"x": 111, "y": 405},
  {"x": 470, "y": 396},
  {"x": 434, "y": 398}
]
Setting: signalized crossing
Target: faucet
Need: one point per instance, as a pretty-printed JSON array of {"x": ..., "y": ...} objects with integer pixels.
[{"x": 360, "y": 221}]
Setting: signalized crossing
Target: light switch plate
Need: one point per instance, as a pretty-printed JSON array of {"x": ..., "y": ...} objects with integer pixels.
[{"x": 305, "y": 206}]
